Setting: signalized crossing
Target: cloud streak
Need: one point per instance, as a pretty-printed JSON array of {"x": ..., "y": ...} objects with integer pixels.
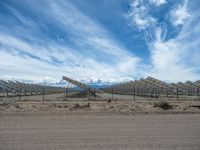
[
  {"x": 38, "y": 45},
  {"x": 139, "y": 14},
  {"x": 90, "y": 51},
  {"x": 174, "y": 58},
  {"x": 180, "y": 14}
]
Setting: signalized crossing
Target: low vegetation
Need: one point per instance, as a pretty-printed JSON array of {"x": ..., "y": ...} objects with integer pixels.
[
  {"x": 164, "y": 105},
  {"x": 79, "y": 106}
]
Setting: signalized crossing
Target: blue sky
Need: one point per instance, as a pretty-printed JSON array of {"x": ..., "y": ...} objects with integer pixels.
[{"x": 107, "y": 40}]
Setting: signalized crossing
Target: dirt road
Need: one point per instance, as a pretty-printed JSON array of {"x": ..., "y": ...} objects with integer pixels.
[{"x": 61, "y": 132}]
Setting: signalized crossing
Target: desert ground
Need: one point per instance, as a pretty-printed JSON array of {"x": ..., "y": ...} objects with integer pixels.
[
  {"x": 114, "y": 132},
  {"x": 103, "y": 123},
  {"x": 120, "y": 104}
]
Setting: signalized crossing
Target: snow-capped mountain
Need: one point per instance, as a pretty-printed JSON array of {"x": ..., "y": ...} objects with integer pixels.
[{"x": 94, "y": 82}]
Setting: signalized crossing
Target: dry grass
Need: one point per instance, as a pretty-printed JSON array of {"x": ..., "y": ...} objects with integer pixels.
[{"x": 164, "y": 105}]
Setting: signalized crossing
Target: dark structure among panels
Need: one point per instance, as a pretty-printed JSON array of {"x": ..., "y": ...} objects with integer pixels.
[{"x": 85, "y": 87}]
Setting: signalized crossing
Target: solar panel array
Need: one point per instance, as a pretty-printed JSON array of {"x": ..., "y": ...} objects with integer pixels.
[
  {"x": 14, "y": 88},
  {"x": 154, "y": 87}
]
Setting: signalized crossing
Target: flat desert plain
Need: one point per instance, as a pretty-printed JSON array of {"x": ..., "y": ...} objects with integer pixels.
[
  {"x": 101, "y": 132},
  {"x": 60, "y": 124}
]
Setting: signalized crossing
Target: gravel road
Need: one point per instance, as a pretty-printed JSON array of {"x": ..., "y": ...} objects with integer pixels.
[{"x": 114, "y": 132}]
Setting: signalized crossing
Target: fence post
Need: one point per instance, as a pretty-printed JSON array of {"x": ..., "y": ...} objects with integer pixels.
[
  {"x": 89, "y": 94},
  {"x": 177, "y": 94},
  {"x": 112, "y": 92},
  {"x": 6, "y": 92},
  {"x": 43, "y": 93},
  {"x": 19, "y": 94},
  {"x": 198, "y": 93},
  {"x": 146, "y": 92},
  {"x": 167, "y": 93},
  {"x": 156, "y": 94},
  {"x": 134, "y": 93}
]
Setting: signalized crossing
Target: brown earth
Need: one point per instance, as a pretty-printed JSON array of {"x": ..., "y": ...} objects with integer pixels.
[
  {"x": 98, "y": 107},
  {"x": 99, "y": 132},
  {"x": 75, "y": 123},
  {"x": 57, "y": 103}
]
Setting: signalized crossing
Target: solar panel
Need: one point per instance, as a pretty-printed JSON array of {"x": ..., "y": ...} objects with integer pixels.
[
  {"x": 19, "y": 88},
  {"x": 150, "y": 86}
]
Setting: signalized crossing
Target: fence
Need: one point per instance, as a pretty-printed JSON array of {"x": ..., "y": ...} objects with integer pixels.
[
  {"x": 19, "y": 89},
  {"x": 154, "y": 88}
]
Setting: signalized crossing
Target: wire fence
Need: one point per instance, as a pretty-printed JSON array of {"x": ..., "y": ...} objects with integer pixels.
[{"x": 154, "y": 88}]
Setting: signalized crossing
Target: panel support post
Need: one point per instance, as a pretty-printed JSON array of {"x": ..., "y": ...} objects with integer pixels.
[
  {"x": 6, "y": 92},
  {"x": 156, "y": 94},
  {"x": 89, "y": 94},
  {"x": 43, "y": 93},
  {"x": 112, "y": 92},
  {"x": 134, "y": 93},
  {"x": 177, "y": 94},
  {"x": 20, "y": 94}
]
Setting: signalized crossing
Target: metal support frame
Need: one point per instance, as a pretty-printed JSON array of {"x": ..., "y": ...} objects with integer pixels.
[
  {"x": 43, "y": 93},
  {"x": 112, "y": 92},
  {"x": 67, "y": 90}
]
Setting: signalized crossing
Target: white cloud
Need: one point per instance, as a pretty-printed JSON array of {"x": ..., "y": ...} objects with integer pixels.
[
  {"x": 180, "y": 14},
  {"x": 139, "y": 14},
  {"x": 176, "y": 59},
  {"x": 100, "y": 56},
  {"x": 159, "y": 2},
  {"x": 23, "y": 67}
]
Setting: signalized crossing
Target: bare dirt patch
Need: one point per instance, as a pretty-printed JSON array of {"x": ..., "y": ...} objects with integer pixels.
[
  {"x": 118, "y": 107},
  {"x": 114, "y": 132}
]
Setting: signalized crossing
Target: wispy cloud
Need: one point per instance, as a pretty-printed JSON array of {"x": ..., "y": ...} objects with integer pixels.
[
  {"x": 90, "y": 50},
  {"x": 159, "y": 2},
  {"x": 170, "y": 60},
  {"x": 37, "y": 44},
  {"x": 173, "y": 58},
  {"x": 180, "y": 14},
  {"x": 140, "y": 12}
]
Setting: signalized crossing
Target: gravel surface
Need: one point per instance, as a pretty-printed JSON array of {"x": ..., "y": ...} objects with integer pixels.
[{"x": 114, "y": 132}]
